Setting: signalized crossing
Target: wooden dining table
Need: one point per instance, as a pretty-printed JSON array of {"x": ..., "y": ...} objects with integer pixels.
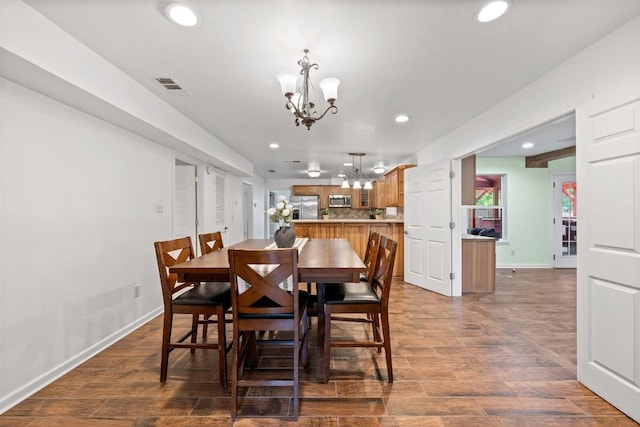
[{"x": 320, "y": 261}]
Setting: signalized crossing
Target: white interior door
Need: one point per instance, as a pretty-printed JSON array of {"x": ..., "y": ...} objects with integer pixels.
[
  {"x": 415, "y": 195},
  {"x": 608, "y": 317},
  {"x": 185, "y": 202},
  {"x": 428, "y": 233},
  {"x": 565, "y": 220}
]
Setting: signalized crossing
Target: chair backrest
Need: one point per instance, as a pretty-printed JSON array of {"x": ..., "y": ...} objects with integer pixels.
[
  {"x": 210, "y": 242},
  {"x": 370, "y": 251},
  {"x": 263, "y": 271},
  {"x": 169, "y": 253},
  {"x": 383, "y": 268}
]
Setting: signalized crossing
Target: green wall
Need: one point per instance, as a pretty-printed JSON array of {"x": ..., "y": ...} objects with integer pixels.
[{"x": 527, "y": 212}]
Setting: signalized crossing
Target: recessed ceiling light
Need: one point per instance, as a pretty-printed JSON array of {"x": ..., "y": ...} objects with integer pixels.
[
  {"x": 341, "y": 175},
  {"x": 402, "y": 118},
  {"x": 181, "y": 14},
  {"x": 347, "y": 164},
  {"x": 313, "y": 173},
  {"x": 274, "y": 145},
  {"x": 528, "y": 145},
  {"x": 492, "y": 11}
]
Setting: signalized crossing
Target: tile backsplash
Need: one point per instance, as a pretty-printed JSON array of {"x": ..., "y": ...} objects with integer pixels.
[{"x": 346, "y": 213}]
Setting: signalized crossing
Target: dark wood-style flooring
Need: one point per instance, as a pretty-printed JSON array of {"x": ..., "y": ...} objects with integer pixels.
[{"x": 503, "y": 359}]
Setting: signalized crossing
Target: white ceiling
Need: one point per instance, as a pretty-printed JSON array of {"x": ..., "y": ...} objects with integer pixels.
[{"x": 428, "y": 59}]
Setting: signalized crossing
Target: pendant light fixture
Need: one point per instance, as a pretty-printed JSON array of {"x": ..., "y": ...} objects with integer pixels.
[{"x": 357, "y": 175}]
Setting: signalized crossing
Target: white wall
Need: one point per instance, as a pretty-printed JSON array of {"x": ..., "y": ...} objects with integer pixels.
[{"x": 78, "y": 222}]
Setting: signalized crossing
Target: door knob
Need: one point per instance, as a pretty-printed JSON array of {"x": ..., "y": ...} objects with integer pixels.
[{"x": 406, "y": 232}]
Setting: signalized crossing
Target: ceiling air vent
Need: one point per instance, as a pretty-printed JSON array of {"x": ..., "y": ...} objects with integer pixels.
[{"x": 171, "y": 86}]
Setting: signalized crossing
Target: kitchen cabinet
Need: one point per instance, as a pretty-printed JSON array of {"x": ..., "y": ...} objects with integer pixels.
[
  {"x": 478, "y": 264},
  {"x": 336, "y": 189},
  {"x": 361, "y": 199},
  {"x": 308, "y": 230},
  {"x": 394, "y": 185},
  {"x": 323, "y": 199},
  {"x": 379, "y": 195},
  {"x": 357, "y": 233},
  {"x": 305, "y": 190}
]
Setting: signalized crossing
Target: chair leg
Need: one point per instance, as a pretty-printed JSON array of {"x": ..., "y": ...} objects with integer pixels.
[
  {"x": 296, "y": 374},
  {"x": 327, "y": 343},
  {"x": 387, "y": 343},
  {"x": 375, "y": 325},
  {"x": 235, "y": 360},
  {"x": 166, "y": 338},
  {"x": 194, "y": 330},
  {"x": 222, "y": 347}
]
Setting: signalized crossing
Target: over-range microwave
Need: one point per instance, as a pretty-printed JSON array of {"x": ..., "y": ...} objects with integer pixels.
[{"x": 339, "y": 201}]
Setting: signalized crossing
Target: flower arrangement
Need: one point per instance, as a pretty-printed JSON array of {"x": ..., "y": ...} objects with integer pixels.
[
  {"x": 377, "y": 212},
  {"x": 282, "y": 212},
  {"x": 324, "y": 211}
]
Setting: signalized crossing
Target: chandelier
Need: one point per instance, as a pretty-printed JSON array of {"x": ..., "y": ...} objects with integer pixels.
[
  {"x": 298, "y": 101},
  {"x": 357, "y": 175}
]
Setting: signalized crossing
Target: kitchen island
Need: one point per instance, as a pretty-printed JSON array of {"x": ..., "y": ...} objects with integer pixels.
[{"x": 356, "y": 231}]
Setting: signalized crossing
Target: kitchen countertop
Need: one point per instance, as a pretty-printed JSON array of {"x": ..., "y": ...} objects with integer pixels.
[
  {"x": 476, "y": 237},
  {"x": 335, "y": 220}
]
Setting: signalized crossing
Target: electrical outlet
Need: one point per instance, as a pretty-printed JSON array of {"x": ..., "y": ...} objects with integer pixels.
[{"x": 136, "y": 290}]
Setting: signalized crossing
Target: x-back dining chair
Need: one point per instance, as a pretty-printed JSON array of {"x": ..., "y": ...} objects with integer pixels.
[
  {"x": 260, "y": 303},
  {"x": 367, "y": 298},
  {"x": 210, "y": 242},
  {"x": 209, "y": 300}
]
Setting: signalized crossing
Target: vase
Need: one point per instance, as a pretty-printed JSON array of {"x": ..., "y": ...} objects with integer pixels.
[{"x": 285, "y": 237}]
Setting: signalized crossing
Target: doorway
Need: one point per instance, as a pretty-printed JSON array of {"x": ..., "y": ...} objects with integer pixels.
[
  {"x": 565, "y": 220},
  {"x": 185, "y": 212},
  {"x": 247, "y": 211}
]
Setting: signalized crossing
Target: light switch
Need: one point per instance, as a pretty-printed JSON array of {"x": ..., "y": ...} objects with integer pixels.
[{"x": 159, "y": 207}]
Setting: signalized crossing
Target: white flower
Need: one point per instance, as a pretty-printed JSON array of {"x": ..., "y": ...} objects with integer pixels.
[{"x": 282, "y": 212}]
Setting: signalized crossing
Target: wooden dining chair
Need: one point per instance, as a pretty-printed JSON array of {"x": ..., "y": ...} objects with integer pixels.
[
  {"x": 210, "y": 242},
  {"x": 209, "y": 300},
  {"x": 371, "y": 299},
  {"x": 260, "y": 302}
]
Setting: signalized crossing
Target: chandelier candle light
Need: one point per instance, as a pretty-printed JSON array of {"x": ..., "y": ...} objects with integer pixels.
[{"x": 298, "y": 101}]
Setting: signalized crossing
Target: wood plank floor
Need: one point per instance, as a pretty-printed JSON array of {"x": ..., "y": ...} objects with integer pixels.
[{"x": 503, "y": 359}]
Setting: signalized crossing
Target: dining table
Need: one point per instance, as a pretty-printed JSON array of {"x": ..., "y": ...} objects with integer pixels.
[{"x": 320, "y": 261}]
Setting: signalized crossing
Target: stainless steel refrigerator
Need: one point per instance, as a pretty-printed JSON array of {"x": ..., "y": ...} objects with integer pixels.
[{"x": 304, "y": 207}]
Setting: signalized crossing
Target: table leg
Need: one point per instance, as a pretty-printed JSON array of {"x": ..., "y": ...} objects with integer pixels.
[{"x": 320, "y": 374}]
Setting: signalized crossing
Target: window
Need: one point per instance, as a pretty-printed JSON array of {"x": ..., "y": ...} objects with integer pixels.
[{"x": 487, "y": 218}]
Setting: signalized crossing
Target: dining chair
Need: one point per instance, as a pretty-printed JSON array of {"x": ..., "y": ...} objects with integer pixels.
[
  {"x": 370, "y": 299},
  {"x": 209, "y": 300},
  {"x": 210, "y": 242},
  {"x": 265, "y": 297}
]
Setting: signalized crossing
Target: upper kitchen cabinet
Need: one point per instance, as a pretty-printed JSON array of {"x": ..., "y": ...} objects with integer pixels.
[
  {"x": 394, "y": 185},
  {"x": 305, "y": 190},
  {"x": 362, "y": 199},
  {"x": 378, "y": 198},
  {"x": 336, "y": 189}
]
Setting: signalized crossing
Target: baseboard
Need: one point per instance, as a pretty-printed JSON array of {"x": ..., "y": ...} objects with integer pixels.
[
  {"x": 47, "y": 378},
  {"x": 524, "y": 266}
]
